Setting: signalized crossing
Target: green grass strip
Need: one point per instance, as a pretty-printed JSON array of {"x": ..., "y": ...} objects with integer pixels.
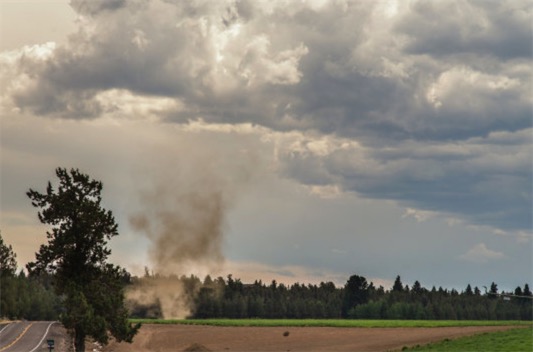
[
  {"x": 341, "y": 323},
  {"x": 514, "y": 340}
]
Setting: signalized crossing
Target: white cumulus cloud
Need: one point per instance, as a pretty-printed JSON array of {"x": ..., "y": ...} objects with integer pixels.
[{"x": 481, "y": 254}]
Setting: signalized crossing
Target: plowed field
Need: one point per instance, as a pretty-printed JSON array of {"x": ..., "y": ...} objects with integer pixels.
[{"x": 163, "y": 338}]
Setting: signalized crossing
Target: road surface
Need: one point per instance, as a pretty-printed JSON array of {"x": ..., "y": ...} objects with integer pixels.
[{"x": 25, "y": 336}]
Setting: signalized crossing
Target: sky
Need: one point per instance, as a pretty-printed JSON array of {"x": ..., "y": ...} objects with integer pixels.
[{"x": 301, "y": 141}]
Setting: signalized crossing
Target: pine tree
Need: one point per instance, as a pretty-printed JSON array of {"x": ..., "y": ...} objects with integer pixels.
[
  {"x": 355, "y": 293},
  {"x": 526, "y": 290},
  {"x": 398, "y": 286},
  {"x": 76, "y": 254},
  {"x": 8, "y": 262}
]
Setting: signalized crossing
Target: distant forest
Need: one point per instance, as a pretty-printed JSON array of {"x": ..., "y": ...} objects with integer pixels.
[
  {"x": 33, "y": 298},
  {"x": 230, "y": 298}
]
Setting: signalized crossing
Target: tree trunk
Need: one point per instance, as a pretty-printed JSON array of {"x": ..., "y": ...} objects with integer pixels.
[{"x": 79, "y": 339}]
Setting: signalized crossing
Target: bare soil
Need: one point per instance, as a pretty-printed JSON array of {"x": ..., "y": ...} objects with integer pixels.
[{"x": 163, "y": 338}]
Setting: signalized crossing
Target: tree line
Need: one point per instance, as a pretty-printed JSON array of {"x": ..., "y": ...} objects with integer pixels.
[
  {"x": 417, "y": 302},
  {"x": 33, "y": 297},
  {"x": 357, "y": 299}
]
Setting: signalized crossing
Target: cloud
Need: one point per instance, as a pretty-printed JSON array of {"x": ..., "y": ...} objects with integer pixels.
[
  {"x": 425, "y": 104},
  {"x": 481, "y": 254},
  {"x": 502, "y": 29},
  {"x": 257, "y": 67},
  {"x": 189, "y": 51},
  {"x": 96, "y": 6},
  {"x": 338, "y": 67},
  {"x": 485, "y": 181},
  {"x": 419, "y": 215}
]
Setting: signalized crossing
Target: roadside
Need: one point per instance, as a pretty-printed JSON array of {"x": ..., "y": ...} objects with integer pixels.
[{"x": 62, "y": 340}]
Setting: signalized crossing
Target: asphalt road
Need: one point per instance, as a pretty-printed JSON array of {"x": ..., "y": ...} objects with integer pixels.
[{"x": 25, "y": 336}]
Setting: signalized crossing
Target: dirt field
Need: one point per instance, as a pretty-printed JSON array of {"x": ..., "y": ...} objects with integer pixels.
[{"x": 163, "y": 338}]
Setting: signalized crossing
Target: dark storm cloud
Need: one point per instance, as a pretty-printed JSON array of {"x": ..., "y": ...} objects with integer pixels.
[
  {"x": 399, "y": 78},
  {"x": 94, "y": 7},
  {"x": 494, "y": 28},
  {"x": 483, "y": 181},
  {"x": 346, "y": 69}
]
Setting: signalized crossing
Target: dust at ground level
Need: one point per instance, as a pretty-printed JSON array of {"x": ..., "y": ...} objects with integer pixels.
[{"x": 163, "y": 338}]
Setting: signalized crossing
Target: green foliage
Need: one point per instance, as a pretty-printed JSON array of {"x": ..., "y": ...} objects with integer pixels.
[
  {"x": 514, "y": 340},
  {"x": 76, "y": 255},
  {"x": 28, "y": 298},
  {"x": 355, "y": 293},
  {"x": 22, "y": 297},
  {"x": 80, "y": 228},
  {"x": 8, "y": 262},
  {"x": 398, "y": 286},
  {"x": 233, "y": 299}
]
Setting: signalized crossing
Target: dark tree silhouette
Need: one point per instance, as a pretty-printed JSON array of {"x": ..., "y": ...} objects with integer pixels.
[
  {"x": 355, "y": 293},
  {"x": 8, "y": 263},
  {"x": 526, "y": 291},
  {"x": 397, "y": 286},
  {"x": 469, "y": 291},
  {"x": 76, "y": 254},
  {"x": 493, "y": 292}
]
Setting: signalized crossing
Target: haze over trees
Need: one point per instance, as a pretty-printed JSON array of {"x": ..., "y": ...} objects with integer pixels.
[
  {"x": 34, "y": 298},
  {"x": 72, "y": 281},
  {"x": 76, "y": 258},
  {"x": 357, "y": 299},
  {"x": 22, "y": 297}
]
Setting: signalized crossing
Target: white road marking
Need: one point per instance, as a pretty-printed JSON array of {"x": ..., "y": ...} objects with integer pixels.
[
  {"x": 44, "y": 336},
  {"x": 4, "y": 327}
]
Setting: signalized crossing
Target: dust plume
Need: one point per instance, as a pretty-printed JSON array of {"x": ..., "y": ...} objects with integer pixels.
[
  {"x": 187, "y": 236},
  {"x": 183, "y": 210},
  {"x": 162, "y": 296}
]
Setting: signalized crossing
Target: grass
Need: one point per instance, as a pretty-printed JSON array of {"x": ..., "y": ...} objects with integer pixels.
[
  {"x": 514, "y": 340},
  {"x": 344, "y": 323}
]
